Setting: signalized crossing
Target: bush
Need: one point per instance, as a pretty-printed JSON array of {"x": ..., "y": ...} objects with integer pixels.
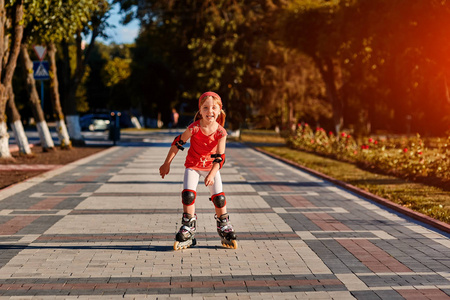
[{"x": 403, "y": 157}]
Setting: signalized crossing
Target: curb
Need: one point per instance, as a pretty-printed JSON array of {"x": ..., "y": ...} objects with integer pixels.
[
  {"x": 15, "y": 148},
  {"x": 404, "y": 210}
]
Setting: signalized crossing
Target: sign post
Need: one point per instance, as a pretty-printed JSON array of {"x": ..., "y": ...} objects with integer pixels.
[{"x": 40, "y": 69}]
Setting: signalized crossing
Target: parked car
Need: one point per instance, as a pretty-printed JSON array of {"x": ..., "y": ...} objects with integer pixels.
[{"x": 95, "y": 122}]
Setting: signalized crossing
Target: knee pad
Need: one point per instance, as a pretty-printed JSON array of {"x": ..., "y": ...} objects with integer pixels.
[
  {"x": 188, "y": 197},
  {"x": 219, "y": 200}
]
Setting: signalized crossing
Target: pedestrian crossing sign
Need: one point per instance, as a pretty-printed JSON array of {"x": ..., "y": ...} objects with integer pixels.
[{"x": 40, "y": 70}]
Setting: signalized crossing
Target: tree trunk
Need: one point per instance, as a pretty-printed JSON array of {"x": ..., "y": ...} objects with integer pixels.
[
  {"x": 41, "y": 125},
  {"x": 61, "y": 128},
  {"x": 8, "y": 72},
  {"x": 2, "y": 31},
  {"x": 292, "y": 123},
  {"x": 70, "y": 88},
  {"x": 71, "y": 84},
  {"x": 326, "y": 69},
  {"x": 16, "y": 124},
  {"x": 4, "y": 141}
]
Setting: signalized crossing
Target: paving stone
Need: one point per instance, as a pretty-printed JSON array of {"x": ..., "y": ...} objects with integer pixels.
[{"x": 105, "y": 228}]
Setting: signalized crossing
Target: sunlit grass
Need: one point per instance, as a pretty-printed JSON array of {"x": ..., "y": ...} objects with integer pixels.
[{"x": 259, "y": 137}]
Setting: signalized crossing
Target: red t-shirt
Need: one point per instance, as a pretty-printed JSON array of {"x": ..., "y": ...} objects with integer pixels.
[{"x": 202, "y": 146}]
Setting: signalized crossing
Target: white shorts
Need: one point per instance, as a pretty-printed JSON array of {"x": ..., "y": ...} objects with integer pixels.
[{"x": 191, "y": 178}]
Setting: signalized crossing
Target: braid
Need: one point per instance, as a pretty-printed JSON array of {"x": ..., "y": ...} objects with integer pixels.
[{"x": 221, "y": 118}]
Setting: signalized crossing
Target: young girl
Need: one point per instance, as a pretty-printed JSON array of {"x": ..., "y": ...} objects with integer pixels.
[{"x": 205, "y": 158}]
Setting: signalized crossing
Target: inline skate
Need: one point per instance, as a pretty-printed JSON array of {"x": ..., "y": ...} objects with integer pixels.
[
  {"x": 226, "y": 231},
  {"x": 185, "y": 236}
]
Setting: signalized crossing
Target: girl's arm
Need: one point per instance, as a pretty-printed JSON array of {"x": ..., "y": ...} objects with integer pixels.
[
  {"x": 165, "y": 167},
  {"x": 209, "y": 179}
]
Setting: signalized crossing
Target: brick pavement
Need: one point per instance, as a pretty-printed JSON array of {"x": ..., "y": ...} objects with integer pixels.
[{"x": 104, "y": 227}]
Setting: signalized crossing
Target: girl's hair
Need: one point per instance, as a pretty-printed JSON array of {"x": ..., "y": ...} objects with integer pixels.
[{"x": 218, "y": 101}]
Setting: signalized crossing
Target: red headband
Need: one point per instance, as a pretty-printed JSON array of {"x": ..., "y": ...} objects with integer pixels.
[{"x": 212, "y": 94}]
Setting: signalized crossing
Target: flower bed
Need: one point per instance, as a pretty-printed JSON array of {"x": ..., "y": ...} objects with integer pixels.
[{"x": 413, "y": 158}]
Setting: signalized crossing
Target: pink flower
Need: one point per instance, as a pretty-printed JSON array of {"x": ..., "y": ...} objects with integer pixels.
[
  {"x": 405, "y": 150},
  {"x": 343, "y": 134},
  {"x": 355, "y": 152},
  {"x": 330, "y": 133},
  {"x": 370, "y": 140}
]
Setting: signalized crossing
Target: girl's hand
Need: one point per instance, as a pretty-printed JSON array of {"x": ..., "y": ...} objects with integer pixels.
[
  {"x": 164, "y": 170},
  {"x": 209, "y": 180}
]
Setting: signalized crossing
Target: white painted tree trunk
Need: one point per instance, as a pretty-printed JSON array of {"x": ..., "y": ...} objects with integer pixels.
[
  {"x": 44, "y": 135},
  {"x": 63, "y": 135},
  {"x": 21, "y": 138},
  {"x": 73, "y": 126},
  {"x": 135, "y": 122},
  {"x": 4, "y": 141}
]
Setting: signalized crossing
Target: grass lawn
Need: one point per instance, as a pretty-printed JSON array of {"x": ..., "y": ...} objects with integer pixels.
[{"x": 428, "y": 200}]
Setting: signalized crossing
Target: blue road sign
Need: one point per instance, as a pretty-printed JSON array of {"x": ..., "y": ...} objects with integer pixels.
[{"x": 40, "y": 70}]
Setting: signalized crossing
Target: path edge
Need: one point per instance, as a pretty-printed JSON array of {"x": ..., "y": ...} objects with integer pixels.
[
  {"x": 396, "y": 207},
  {"x": 32, "y": 181}
]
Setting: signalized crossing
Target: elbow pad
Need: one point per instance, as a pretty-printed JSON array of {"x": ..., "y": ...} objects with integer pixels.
[
  {"x": 178, "y": 142},
  {"x": 219, "y": 158}
]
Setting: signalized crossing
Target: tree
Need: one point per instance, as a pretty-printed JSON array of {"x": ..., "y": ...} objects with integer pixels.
[
  {"x": 15, "y": 119},
  {"x": 382, "y": 62},
  {"x": 84, "y": 16},
  {"x": 14, "y": 16},
  {"x": 47, "y": 24},
  {"x": 396, "y": 62},
  {"x": 16, "y": 124},
  {"x": 313, "y": 28},
  {"x": 200, "y": 45},
  {"x": 41, "y": 124},
  {"x": 107, "y": 84}
]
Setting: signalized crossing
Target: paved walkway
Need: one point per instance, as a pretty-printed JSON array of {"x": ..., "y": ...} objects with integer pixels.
[{"x": 105, "y": 226}]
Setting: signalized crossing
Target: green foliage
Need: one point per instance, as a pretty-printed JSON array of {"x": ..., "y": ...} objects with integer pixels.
[
  {"x": 107, "y": 86},
  {"x": 389, "y": 58},
  {"x": 53, "y": 20},
  {"x": 204, "y": 45},
  {"x": 116, "y": 70},
  {"x": 378, "y": 65}
]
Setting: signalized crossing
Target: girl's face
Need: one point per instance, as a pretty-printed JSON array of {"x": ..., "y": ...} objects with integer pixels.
[{"x": 210, "y": 110}]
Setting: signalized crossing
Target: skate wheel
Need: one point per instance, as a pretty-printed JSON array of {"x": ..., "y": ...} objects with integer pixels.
[
  {"x": 178, "y": 246},
  {"x": 230, "y": 244}
]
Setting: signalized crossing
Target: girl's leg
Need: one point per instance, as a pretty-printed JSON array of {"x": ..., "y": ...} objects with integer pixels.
[
  {"x": 224, "y": 227},
  {"x": 221, "y": 211},
  {"x": 190, "y": 184},
  {"x": 185, "y": 236},
  {"x": 215, "y": 189}
]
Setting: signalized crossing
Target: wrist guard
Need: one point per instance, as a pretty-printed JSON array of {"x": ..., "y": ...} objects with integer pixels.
[
  {"x": 178, "y": 142},
  {"x": 219, "y": 158}
]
